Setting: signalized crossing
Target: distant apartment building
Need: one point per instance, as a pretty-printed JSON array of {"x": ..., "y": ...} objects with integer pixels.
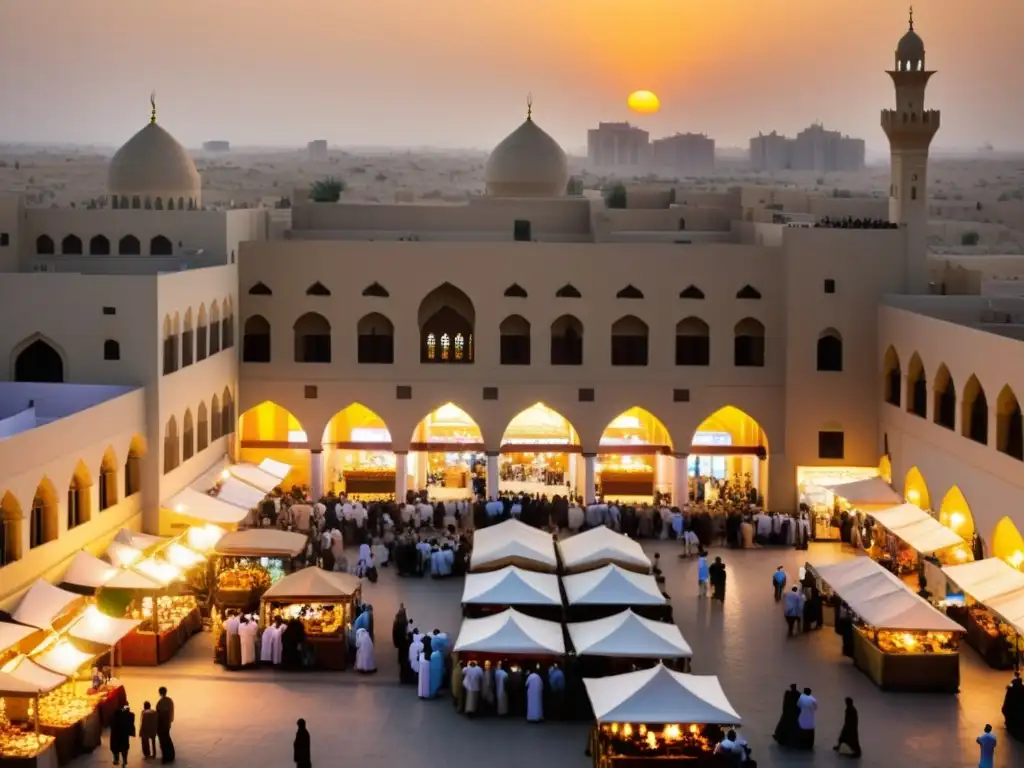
[
  {"x": 317, "y": 150},
  {"x": 814, "y": 149},
  {"x": 618, "y": 144},
  {"x": 217, "y": 146},
  {"x": 684, "y": 153}
]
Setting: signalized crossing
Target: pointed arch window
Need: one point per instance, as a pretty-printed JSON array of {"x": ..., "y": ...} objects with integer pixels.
[
  {"x": 515, "y": 291},
  {"x": 748, "y": 292},
  {"x": 568, "y": 291},
  {"x": 376, "y": 290},
  {"x": 318, "y": 289},
  {"x": 431, "y": 347},
  {"x": 460, "y": 346},
  {"x": 260, "y": 289},
  {"x": 691, "y": 292},
  {"x": 629, "y": 292}
]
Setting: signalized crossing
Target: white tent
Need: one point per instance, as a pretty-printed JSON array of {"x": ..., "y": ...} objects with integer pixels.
[
  {"x": 89, "y": 571},
  {"x": 511, "y": 632},
  {"x": 260, "y": 542},
  {"x": 659, "y": 695},
  {"x": 240, "y": 494},
  {"x": 882, "y": 599},
  {"x": 140, "y": 541},
  {"x": 629, "y": 635},
  {"x": 312, "y": 584},
  {"x": 612, "y": 585},
  {"x": 917, "y": 528},
  {"x": 11, "y": 634},
  {"x": 123, "y": 555},
  {"x": 278, "y": 469},
  {"x": 63, "y": 658},
  {"x": 32, "y": 677},
  {"x": 255, "y": 476},
  {"x": 869, "y": 492},
  {"x": 600, "y": 546},
  {"x": 131, "y": 580},
  {"x": 511, "y": 586},
  {"x": 513, "y": 543},
  {"x": 97, "y": 627},
  {"x": 996, "y": 584},
  {"x": 202, "y": 506},
  {"x": 43, "y": 604}
]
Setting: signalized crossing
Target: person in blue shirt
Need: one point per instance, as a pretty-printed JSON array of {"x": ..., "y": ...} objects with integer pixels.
[
  {"x": 703, "y": 573},
  {"x": 987, "y": 743},
  {"x": 556, "y": 688},
  {"x": 779, "y": 582}
]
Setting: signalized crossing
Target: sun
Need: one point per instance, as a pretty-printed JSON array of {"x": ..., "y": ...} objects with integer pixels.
[{"x": 643, "y": 102}]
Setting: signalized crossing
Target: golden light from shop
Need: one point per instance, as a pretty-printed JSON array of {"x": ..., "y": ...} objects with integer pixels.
[
  {"x": 204, "y": 538},
  {"x": 95, "y": 619},
  {"x": 160, "y": 571},
  {"x": 1007, "y": 543}
]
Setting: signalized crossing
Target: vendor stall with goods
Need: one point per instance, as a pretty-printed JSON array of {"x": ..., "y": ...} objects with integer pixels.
[
  {"x": 529, "y": 592},
  {"x": 323, "y": 604},
  {"x": 895, "y": 637},
  {"x": 601, "y": 546},
  {"x": 848, "y": 503},
  {"x": 608, "y": 590},
  {"x": 626, "y": 475},
  {"x": 658, "y": 717},
  {"x": 906, "y": 539},
  {"x": 513, "y": 543},
  {"x": 993, "y": 611},
  {"x": 22, "y": 742},
  {"x": 247, "y": 563}
]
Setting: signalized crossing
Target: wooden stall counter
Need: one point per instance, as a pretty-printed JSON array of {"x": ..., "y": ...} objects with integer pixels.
[
  {"x": 43, "y": 755},
  {"x": 148, "y": 649},
  {"x": 329, "y": 652},
  {"x": 909, "y": 672}
]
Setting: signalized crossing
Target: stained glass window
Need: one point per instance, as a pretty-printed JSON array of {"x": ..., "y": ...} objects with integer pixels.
[
  {"x": 430, "y": 346},
  {"x": 445, "y": 344},
  {"x": 459, "y": 346}
]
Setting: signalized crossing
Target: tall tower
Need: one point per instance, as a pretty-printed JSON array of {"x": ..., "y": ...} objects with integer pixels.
[{"x": 911, "y": 128}]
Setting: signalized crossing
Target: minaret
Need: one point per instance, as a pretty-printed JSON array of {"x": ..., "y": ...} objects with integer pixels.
[{"x": 911, "y": 128}]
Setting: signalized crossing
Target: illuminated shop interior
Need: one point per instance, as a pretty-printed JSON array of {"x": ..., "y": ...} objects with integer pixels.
[
  {"x": 885, "y": 469},
  {"x": 811, "y": 482},
  {"x": 357, "y": 454},
  {"x": 631, "y": 463},
  {"x": 1008, "y": 544},
  {"x": 268, "y": 431},
  {"x": 915, "y": 490},
  {"x": 955, "y": 514},
  {"x": 447, "y": 452},
  {"x": 535, "y": 455}
]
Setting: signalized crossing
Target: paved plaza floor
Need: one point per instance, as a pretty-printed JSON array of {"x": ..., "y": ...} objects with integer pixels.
[{"x": 248, "y": 718}]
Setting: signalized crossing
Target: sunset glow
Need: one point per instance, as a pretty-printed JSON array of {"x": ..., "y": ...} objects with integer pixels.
[{"x": 643, "y": 102}]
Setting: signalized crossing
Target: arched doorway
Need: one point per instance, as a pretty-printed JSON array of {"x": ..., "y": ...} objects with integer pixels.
[
  {"x": 955, "y": 514},
  {"x": 44, "y": 526},
  {"x": 631, "y": 463},
  {"x": 1007, "y": 543},
  {"x": 272, "y": 432},
  {"x": 446, "y": 455},
  {"x": 39, "y": 361},
  {"x": 11, "y": 522},
  {"x": 915, "y": 490},
  {"x": 539, "y": 453},
  {"x": 446, "y": 319},
  {"x": 79, "y": 496},
  {"x": 885, "y": 469},
  {"x": 358, "y": 456},
  {"x": 107, "y": 490},
  {"x": 729, "y": 458}
]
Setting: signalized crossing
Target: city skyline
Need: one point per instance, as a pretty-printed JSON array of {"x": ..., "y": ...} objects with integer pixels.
[{"x": 456, "y": 75}]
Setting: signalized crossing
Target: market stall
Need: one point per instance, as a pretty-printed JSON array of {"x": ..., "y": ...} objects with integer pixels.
[
  {"x": 193, "y": 507},
  {"x": 509, "y": 633},
  {"x": 532, "y": 593},
  {"x": 45, "y": 606},
  {"x": 324, "y": 603},
  {"x": 851, "y": 499},
  {"x": 513, "y": 543},
  {"x": 993, "y": 615},
  {"x": 264, "y": 477},
  {"x": 246, "y": 564},
  {"x": 905, "y": 534},
  {"x": 656, "y": 717},
  {"x": 600, "y": 546},
  {"x": 899, "y": 640},
  {"x": 22, "y": 742},
  {"x": 606, "y": 591}
]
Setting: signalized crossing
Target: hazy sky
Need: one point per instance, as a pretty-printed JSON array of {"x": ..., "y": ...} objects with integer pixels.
[{"x": 455, "y": 73}]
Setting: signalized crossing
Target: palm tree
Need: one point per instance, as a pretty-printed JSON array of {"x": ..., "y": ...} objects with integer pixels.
[
  {"x": 616, "y": 196},
  {"x": 326, "y": 190}
]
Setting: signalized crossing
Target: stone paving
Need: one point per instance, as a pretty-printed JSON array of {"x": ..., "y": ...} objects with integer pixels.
[{"x": 247, "y": 719}]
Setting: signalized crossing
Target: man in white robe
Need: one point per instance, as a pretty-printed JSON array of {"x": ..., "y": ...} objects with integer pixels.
[
  {"x": 248, "y": 632},
  {"x": 415, "y": 650},
  {"x": 365, "y": 661},
  {"x": 232, "y": 642},
  {"x": 271, "y": 646},
  {"x": 534, "y": 698},
  {"x": 472, "y": 682},
  {"x": 365, "y": 558},
  {"x": 423, "y": 665}
]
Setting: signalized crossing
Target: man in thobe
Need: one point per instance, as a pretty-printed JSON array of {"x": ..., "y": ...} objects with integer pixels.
[
  {"x": 232, "y": 642},
  {"x": 501, "y": 689},
  {"x": 807, "y": 705},
  {"x": 270, "y": 644},
  {"x": 534, "y": 697},
  {"x": 472, "y": 681},
  {"x": 248, "y": 633},
  {"x": 365, "y": 559},
  {"x": 365, "y": 661},
  {"x": 415, "y": 649},
  {"x": 556, "y": 689},
  {"x": 423, "y": 667}
]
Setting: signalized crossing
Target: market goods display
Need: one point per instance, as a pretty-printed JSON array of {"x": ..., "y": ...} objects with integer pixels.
[
  {"x": 914, "y": 642},
  {"x": 18, "y": 743},
  {"x": 170, "y": 611},
  {"x": 318, "y": 620},
  {"x": 246, "y": 575},
  {"x": 658, "y": 741},
  {"x": 63, "y": 707}
]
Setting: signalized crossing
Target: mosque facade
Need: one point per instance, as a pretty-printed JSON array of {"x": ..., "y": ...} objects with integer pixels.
[{"x": 538, "y": 340}]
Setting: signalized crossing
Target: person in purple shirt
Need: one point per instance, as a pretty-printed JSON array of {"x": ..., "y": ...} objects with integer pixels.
[{"x": 987, "y": 743}]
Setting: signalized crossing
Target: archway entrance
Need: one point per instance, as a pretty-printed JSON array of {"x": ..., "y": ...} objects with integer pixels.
[
  {"x": 540, "y": 453},
  {"x": 358, "y": 456},
  {"x": 955, "y": 514},
  {"x": 39, "y": 361},
  {"x": 269, "y": 431},
  {"x": 10, "y": 529},
  {"x": 729, "y": 458},
  {"x": 447, "y": 456},
  {"x": 915, "y": 490},
  {"x": 633, "y": 460},
  {"x": 1007, "y": 543}
]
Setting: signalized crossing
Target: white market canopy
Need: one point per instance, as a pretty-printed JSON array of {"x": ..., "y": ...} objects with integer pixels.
[
  {"x": 601, "y": 546},
  {"x": 123, "y": 555},
  {"x": 97, "y": 627},
  {"x": 312, "y": 584},
  {"x": 513, "y": 543},
  {"x": 43, "y": 604},
  {"x": 869, "y": 492},
  {"x": 278, "y": 469},
  {"x": 89, "y": 571},
  {"x": 881, "y": 598},
  {"x": 240, "y": 494},
  {"x": 260, "y": 542},
  {"x": 511, "y": 632},
  {"x": 12, "y": 634},
  {"x": 136, "y": 540},
  {"x": 917, "y": 528},
  {"x": 256, "y": 476},
  {"x": 202, "y": 506},
  {"x": 659, "y": 695},
  {"x": 994, "y": 583},
  {"x": 27, "y": 678},
  {"x": 511, "y": 586},
  {"x": 626, "y": 634},
  {"x": 612, "y": 585},
  {"x": 63, "y": 658}
]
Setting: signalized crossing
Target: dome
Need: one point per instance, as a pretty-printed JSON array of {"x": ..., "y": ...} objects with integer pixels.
[
  {"x": 910, "y": 49},
  {"x": 152, "y": 164},
  {"x": 527, "y": 163}
]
